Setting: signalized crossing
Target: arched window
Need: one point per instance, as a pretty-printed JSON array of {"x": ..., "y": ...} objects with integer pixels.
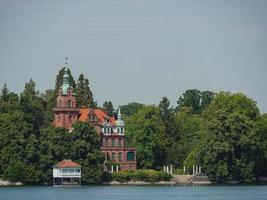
[{"x": 130, "y": 156}]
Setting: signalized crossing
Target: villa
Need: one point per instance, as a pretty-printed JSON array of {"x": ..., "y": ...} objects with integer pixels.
[{"x": 111, "y": 131}]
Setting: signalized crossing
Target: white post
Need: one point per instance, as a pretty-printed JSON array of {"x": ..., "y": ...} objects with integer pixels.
[
  {"x": 117, "y": 168},
  {"x": 164, "y": 168},
  {"x": 184, "y": 169},
  {"x": 199, "y": 171},
  {"x": 167, "y": 169},
  {"x": 171, "y": 169},
  {"x": 196, "y": 170},
  {"x": 111, "y": 168},
  {"x": 193, "y": 170}
]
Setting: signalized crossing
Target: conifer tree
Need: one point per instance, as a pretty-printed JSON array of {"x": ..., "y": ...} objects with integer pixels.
[
  {"x": 84, "y": 95},
  {"x": 108, "y": 107}
]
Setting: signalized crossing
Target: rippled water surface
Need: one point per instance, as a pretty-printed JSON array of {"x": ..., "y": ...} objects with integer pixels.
[{"x": 135, "y": 192}]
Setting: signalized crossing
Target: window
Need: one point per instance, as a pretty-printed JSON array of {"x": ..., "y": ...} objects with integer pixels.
[
  {"x": 130, "y": 156},
  {"x": 113, "y": 156},
  {"x": 69, "y": 103},
  {"x": 118, "y": 130},
  {"x": 120, "y": 142},
  {"x": 113, "y": 142},
  {"x": 59, "y": 103},
  {"x": 106, "y": 141},
  {"x": 58, "y": 118},
  {"x": 120, "y": 157}
]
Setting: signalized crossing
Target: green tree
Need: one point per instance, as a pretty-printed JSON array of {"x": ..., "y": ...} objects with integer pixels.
[
  {"x": 84, "y": 95},
  {"x": 196, "y": 100},
  {"x": 55, "y": 146},
  {"x": 261, "y": 166},
  {"x": 9, "y": 101},
  {"x": 85, "y": 149},
  {"x": 146, "y": 131},
  {"x": 131, "y": 108},
  {"x": 32, "y": 106},
  {"x": 48, "y": 103},
  {"x": 108, "y": 107},
  {"x": 229, "y": 152}
]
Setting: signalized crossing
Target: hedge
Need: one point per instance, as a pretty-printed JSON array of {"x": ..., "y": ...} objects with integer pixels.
[{"x": 138, "y": 175}]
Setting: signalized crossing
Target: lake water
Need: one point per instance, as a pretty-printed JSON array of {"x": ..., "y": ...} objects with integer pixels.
[{"x": 135, "y": 193}]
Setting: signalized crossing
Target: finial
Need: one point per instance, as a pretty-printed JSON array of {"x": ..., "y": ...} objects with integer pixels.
[{"x": 66, "y": 61}]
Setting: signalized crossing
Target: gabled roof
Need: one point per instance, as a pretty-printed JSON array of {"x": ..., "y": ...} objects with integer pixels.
[
  {"x": 66, "y": 164},
  {"x": 100, "y": 114}
]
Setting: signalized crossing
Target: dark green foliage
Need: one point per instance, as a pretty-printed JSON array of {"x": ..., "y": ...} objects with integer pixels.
[
  {"x": 84, "y": 95},
  {"x": 226, "y": 135},
  {"x": 28, "y": 152},
  {"x": 196, "y": 100},
  {"x": 32, "y": 106},
  {"x": 229, "y": 151},
  {"x": 108, "y": 107},
  {"x": 261, "y": 166},
  {"x": 85, "y": 149},
  {"x": 131, "y": 108},
  {"x": 48, "y": 102},
  {"x": 139, "y": 175},
  {"x": 146, "y": 131}
]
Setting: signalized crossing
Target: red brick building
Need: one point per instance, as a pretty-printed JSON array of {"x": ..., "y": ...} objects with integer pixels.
[{"x": 110, "y": 130}]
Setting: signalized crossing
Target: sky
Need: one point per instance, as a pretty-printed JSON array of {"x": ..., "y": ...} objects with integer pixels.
[{"x": 137, "y": 50}]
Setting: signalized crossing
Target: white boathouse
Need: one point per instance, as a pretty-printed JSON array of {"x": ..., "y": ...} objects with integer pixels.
[{"x": 66, "y": 172}]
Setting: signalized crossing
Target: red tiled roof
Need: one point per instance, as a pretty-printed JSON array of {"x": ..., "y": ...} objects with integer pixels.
[
  {"x": 66, "y": 164},
  {"x": 100, "y": 114}
]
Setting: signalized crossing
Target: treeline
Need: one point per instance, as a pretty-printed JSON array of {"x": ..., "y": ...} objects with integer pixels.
[
  {"x": 224, "y": 133},
  {"x": 30, "y": 145}
]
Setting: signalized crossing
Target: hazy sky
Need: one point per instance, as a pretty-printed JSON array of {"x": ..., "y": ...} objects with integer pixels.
[{"x": 137, "y": 50}]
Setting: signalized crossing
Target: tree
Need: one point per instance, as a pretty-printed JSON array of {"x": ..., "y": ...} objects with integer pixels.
[
  {"x": 229, "y": 151},
  {"x": 261, "y": 162},
  {"x": 146, "y": 131},
  {"x": 9, "y": 101},
  {"x": 14, "y": 132},
  {"x": 48, "y": 102},
  {"x": 85, "y": 149},
  {"x": 196, "y": 100},
  {"x": 131, "y": 108},
  {"x": 108, "y": 107},
  {"x": 84, "y": 94},
  {"x": 55, "y": 146},
  {"x": 167, "y": 116},
  {"x": 32, "y": 106}
]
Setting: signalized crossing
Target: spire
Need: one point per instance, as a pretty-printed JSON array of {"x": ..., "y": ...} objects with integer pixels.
[
  {"x": 119, "y": 122},
  {"x": 119, "y": 114},
  {"x": 66, "y": 79}
]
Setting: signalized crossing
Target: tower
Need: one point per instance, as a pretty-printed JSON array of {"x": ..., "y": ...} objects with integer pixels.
[{"x": 66, "y": 112}]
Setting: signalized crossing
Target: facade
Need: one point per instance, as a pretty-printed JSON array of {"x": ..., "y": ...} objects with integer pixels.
[
  {"x": 67, "y": 172},
  {"x": 110, "y": 130}
]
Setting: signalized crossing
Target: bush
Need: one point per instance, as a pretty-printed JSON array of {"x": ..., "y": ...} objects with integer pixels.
[{"x": 140, "y": 175}]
